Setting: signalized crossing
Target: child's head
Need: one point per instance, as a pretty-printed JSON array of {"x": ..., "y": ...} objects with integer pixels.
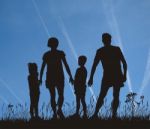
[
  {"x": 32, "y": 68},
  {"x": 82, "y": 60}
]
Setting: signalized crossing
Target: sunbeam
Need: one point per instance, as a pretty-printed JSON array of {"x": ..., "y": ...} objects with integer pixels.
[
  {"x": 41, "y": 19},
  {"x": 113, "y": 24},
  {"x": 146, "y": 78},
  {"x": 64, "y": 31},
  {"x": 11, "y": 91},
  {"x": 46, "y": 29}
]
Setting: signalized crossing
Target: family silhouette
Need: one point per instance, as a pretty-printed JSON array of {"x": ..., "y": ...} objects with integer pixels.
[{"x": 112, "y": 60}]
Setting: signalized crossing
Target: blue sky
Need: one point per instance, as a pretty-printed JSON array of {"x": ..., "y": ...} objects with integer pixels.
[{"x": 26, "y": 26}]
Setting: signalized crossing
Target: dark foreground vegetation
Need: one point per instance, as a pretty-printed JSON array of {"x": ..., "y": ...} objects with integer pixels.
[
  {"x": 133, "y": 115},
  {"x": 135, "y": 123}
]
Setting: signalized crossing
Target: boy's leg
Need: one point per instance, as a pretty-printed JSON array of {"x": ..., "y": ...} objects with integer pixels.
[
  {"x": 84, "y": 105},
  {"x": 77, "y": 104}
]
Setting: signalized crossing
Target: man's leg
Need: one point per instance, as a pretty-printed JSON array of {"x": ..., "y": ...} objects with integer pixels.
[
  {"x": 100, "y": 101},
  {"x": 115, "y": 103},
  {"x": 53, "y": 103},
  {"x": 60, "y": 89}
]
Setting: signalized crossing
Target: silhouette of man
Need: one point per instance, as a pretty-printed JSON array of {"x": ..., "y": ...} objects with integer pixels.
[
  {"x": 111, "y": 58},
  {"x": 55, "y": 75}
]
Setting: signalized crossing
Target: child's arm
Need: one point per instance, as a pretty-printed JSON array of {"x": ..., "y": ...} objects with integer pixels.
[
  {"x": 42, "y": 70},
  {"x": 84, "y": 76},
  {"x": 29, "y": 82}
]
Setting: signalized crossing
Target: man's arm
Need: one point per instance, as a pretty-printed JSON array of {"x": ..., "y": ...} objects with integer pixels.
[
  {"x": 42, "y": 70},
  {"x": 95, "y": 63},
  {"x": 67, "y": 69},
  {"x": 124, "y": 66}
]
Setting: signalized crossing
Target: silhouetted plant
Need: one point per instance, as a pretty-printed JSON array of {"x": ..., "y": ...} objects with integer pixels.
[{"x": 132, "y": 109}]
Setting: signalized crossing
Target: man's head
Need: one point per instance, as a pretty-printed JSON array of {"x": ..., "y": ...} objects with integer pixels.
[
  {"x": 53, "y": 43},
  {"x": 82, "y": 60},
  {"x": 106, "y": 38}
]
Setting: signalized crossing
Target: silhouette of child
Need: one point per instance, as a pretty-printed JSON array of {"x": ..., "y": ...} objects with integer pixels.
[
  {"x": 34, "y": 89},
  {"x": 80, "y": 85}
]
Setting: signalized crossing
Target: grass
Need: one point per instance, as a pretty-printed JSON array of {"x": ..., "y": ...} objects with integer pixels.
[{"x": 132, "y": 115}]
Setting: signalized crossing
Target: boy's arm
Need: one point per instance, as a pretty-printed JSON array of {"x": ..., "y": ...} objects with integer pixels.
[{"x": 84, "y": 73}]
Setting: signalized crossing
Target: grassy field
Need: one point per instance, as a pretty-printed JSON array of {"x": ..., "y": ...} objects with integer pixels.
[{"x": 132, "y": 115}]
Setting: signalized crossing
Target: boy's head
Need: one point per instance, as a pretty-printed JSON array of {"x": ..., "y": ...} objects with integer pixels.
[
  {"x": 82, "y": 60},
  {"x": 53, "y": 43},
  {"x": 32, "y": 68}
]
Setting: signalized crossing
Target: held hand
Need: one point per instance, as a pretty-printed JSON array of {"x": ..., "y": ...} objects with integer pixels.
[
  {"x": 40, "y": 82},
  {"x": 124, "y": 78},
  {"x": 90, "y": 82},
  {"x": 71, "y": 80}
]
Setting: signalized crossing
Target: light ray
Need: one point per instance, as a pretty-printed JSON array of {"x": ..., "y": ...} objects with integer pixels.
[
  {"x": 11, "y": 91},
  {"x": 41, "y": 19},
  {"x": 45, "y": 28},
  {"x": 146, "y": 79},
  {"x": 112, "y": 21},
  {"x": 64, "y": 31}
]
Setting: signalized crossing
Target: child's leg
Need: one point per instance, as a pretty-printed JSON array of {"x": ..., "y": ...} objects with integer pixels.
[
  {"x": 36, "y": 106},
  {"x": 77, "y": 104},
  {"x": 31, "y": 106},
  {"x": 83, "y": 104}
]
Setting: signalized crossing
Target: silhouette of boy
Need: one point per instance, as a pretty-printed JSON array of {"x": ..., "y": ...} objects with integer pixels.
[
  {"x": 54, "y": 60},
  {"x": 34, "y": 89},
  {"x": 80, "y": 85},
  {"x": 111, "y": 58}
]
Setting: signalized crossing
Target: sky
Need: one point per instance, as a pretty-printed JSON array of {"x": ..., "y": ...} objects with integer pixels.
[{"x": 26, "y": 25}]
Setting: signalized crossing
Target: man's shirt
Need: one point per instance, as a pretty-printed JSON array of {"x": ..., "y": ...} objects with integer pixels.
[{"x": 111, "y": 57}]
